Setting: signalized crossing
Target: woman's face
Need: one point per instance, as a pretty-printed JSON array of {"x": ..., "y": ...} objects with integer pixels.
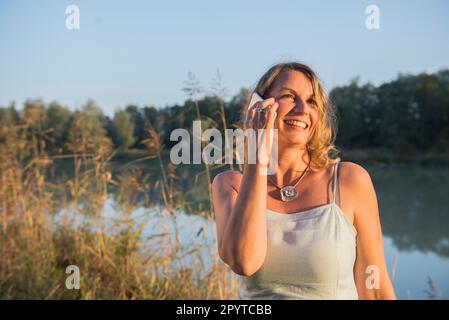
[{"x": 293, "y": 92}]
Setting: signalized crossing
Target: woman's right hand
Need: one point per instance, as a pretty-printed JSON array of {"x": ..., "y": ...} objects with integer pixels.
[{"x": 261, "y": 120}]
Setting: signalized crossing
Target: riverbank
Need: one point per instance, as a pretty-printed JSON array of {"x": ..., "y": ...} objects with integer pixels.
[
  {"x": 378, "y": 155},
  {"x": 365, "y": 155}
]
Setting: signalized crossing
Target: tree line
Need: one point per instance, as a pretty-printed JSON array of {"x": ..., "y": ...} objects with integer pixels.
[{"x": 409, "y": 114}]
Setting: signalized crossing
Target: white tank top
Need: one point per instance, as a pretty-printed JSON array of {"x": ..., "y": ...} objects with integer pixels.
[{"x": 310, "y": 255}]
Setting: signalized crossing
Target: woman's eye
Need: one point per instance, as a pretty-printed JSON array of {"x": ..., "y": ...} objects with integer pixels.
[
  {"x": 312, "y": 101},
  {"x": 288, "y": 96}
]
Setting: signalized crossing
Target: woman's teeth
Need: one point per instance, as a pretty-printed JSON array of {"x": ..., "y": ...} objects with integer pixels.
[{"x": 295, "y": 123}]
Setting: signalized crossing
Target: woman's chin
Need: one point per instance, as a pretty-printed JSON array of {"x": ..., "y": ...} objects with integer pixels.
[{"x": 294, "y": 142}]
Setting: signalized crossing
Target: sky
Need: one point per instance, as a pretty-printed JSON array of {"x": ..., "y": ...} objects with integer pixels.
[{"x": 140, "y": 52}]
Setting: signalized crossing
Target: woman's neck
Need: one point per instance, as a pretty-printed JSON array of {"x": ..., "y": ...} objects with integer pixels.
[{"x": 292, "y": 161}]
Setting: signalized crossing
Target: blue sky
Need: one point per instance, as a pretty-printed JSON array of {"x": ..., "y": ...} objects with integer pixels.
[{"x": 141, "y": 51}]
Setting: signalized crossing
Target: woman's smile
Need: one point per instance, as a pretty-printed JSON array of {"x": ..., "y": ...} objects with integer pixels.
[{"x": 296, "y": 125}]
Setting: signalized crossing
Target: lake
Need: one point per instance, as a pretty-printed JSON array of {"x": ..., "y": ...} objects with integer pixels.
[{"x": 414, "y": 212}]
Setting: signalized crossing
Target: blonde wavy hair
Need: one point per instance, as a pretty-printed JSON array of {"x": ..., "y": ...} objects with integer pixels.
[{"x": 320, "y": 144}]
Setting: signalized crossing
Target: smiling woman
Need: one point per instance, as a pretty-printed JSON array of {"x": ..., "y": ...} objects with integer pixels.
[
  {"x": 296, "y": 85},
  {"x": 321, "y": 241}
]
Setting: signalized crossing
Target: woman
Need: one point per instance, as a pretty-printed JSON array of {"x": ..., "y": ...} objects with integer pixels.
[{"x": 321, "y": 237}]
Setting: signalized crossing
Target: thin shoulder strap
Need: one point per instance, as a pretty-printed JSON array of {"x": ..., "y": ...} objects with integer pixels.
[{"x": 335, "y": 181}]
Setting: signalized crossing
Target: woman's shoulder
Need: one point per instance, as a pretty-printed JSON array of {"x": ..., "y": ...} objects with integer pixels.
[
  {"x": 351, "y": 169},
  {"x": 353, "y": 175},
  {"x": 229, "y": 178}
]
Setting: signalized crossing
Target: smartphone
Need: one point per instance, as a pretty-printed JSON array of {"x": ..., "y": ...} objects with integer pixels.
[{"x": 255, "y": 97}]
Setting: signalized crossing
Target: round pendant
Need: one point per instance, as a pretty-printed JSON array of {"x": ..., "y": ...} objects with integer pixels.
[{"x": 288, "y": 193}]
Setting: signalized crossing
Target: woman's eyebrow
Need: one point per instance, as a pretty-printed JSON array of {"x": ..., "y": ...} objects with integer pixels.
[
  {"x": 289, "y": 89},
  {"x": 312, "y": 95}
]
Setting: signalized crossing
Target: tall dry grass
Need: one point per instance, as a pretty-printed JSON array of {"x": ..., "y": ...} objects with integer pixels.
[{"x": 49, "y": 222}]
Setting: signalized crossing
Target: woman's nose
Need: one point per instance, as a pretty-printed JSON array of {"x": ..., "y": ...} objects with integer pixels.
[{"x": 300, "y": 106}]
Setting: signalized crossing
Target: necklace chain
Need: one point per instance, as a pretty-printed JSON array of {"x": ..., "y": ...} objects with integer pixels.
[{"x": 300, "y": 178}]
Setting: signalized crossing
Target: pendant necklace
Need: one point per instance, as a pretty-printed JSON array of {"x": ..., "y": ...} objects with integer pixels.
[{"x": 289, "y": 193}]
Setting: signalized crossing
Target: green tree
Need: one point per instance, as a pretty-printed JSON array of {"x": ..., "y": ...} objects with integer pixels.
[
  {"x": 9, "y": 116},
  {"x": 123, "y": 130},
  {"x": 59, "y": 122},
  {"x": 136, "y": 117},
  {"x": 87, "y": 133}
]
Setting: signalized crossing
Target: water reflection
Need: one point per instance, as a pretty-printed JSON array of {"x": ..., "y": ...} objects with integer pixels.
[
  {"x": 414, "y": 212},
  {"x": 414, "y": 207}
]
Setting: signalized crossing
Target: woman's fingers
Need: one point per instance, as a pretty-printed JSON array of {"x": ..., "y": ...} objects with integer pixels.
[
  {"x": 262, "y": 120},
  {"x": 262, "y": 117},
  {"x": 251, "y": 114},
  {"x": 259, "y": 120},
  {"x": 271, "y": 115},
  {"x": 264, "y": 104}
]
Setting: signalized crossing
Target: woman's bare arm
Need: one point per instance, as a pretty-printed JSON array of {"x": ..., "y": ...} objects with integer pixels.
[
  {"x": 240, "y": 218},
  {"x": 370, "y": 270},
  {"x": 240, "y": 204}
]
